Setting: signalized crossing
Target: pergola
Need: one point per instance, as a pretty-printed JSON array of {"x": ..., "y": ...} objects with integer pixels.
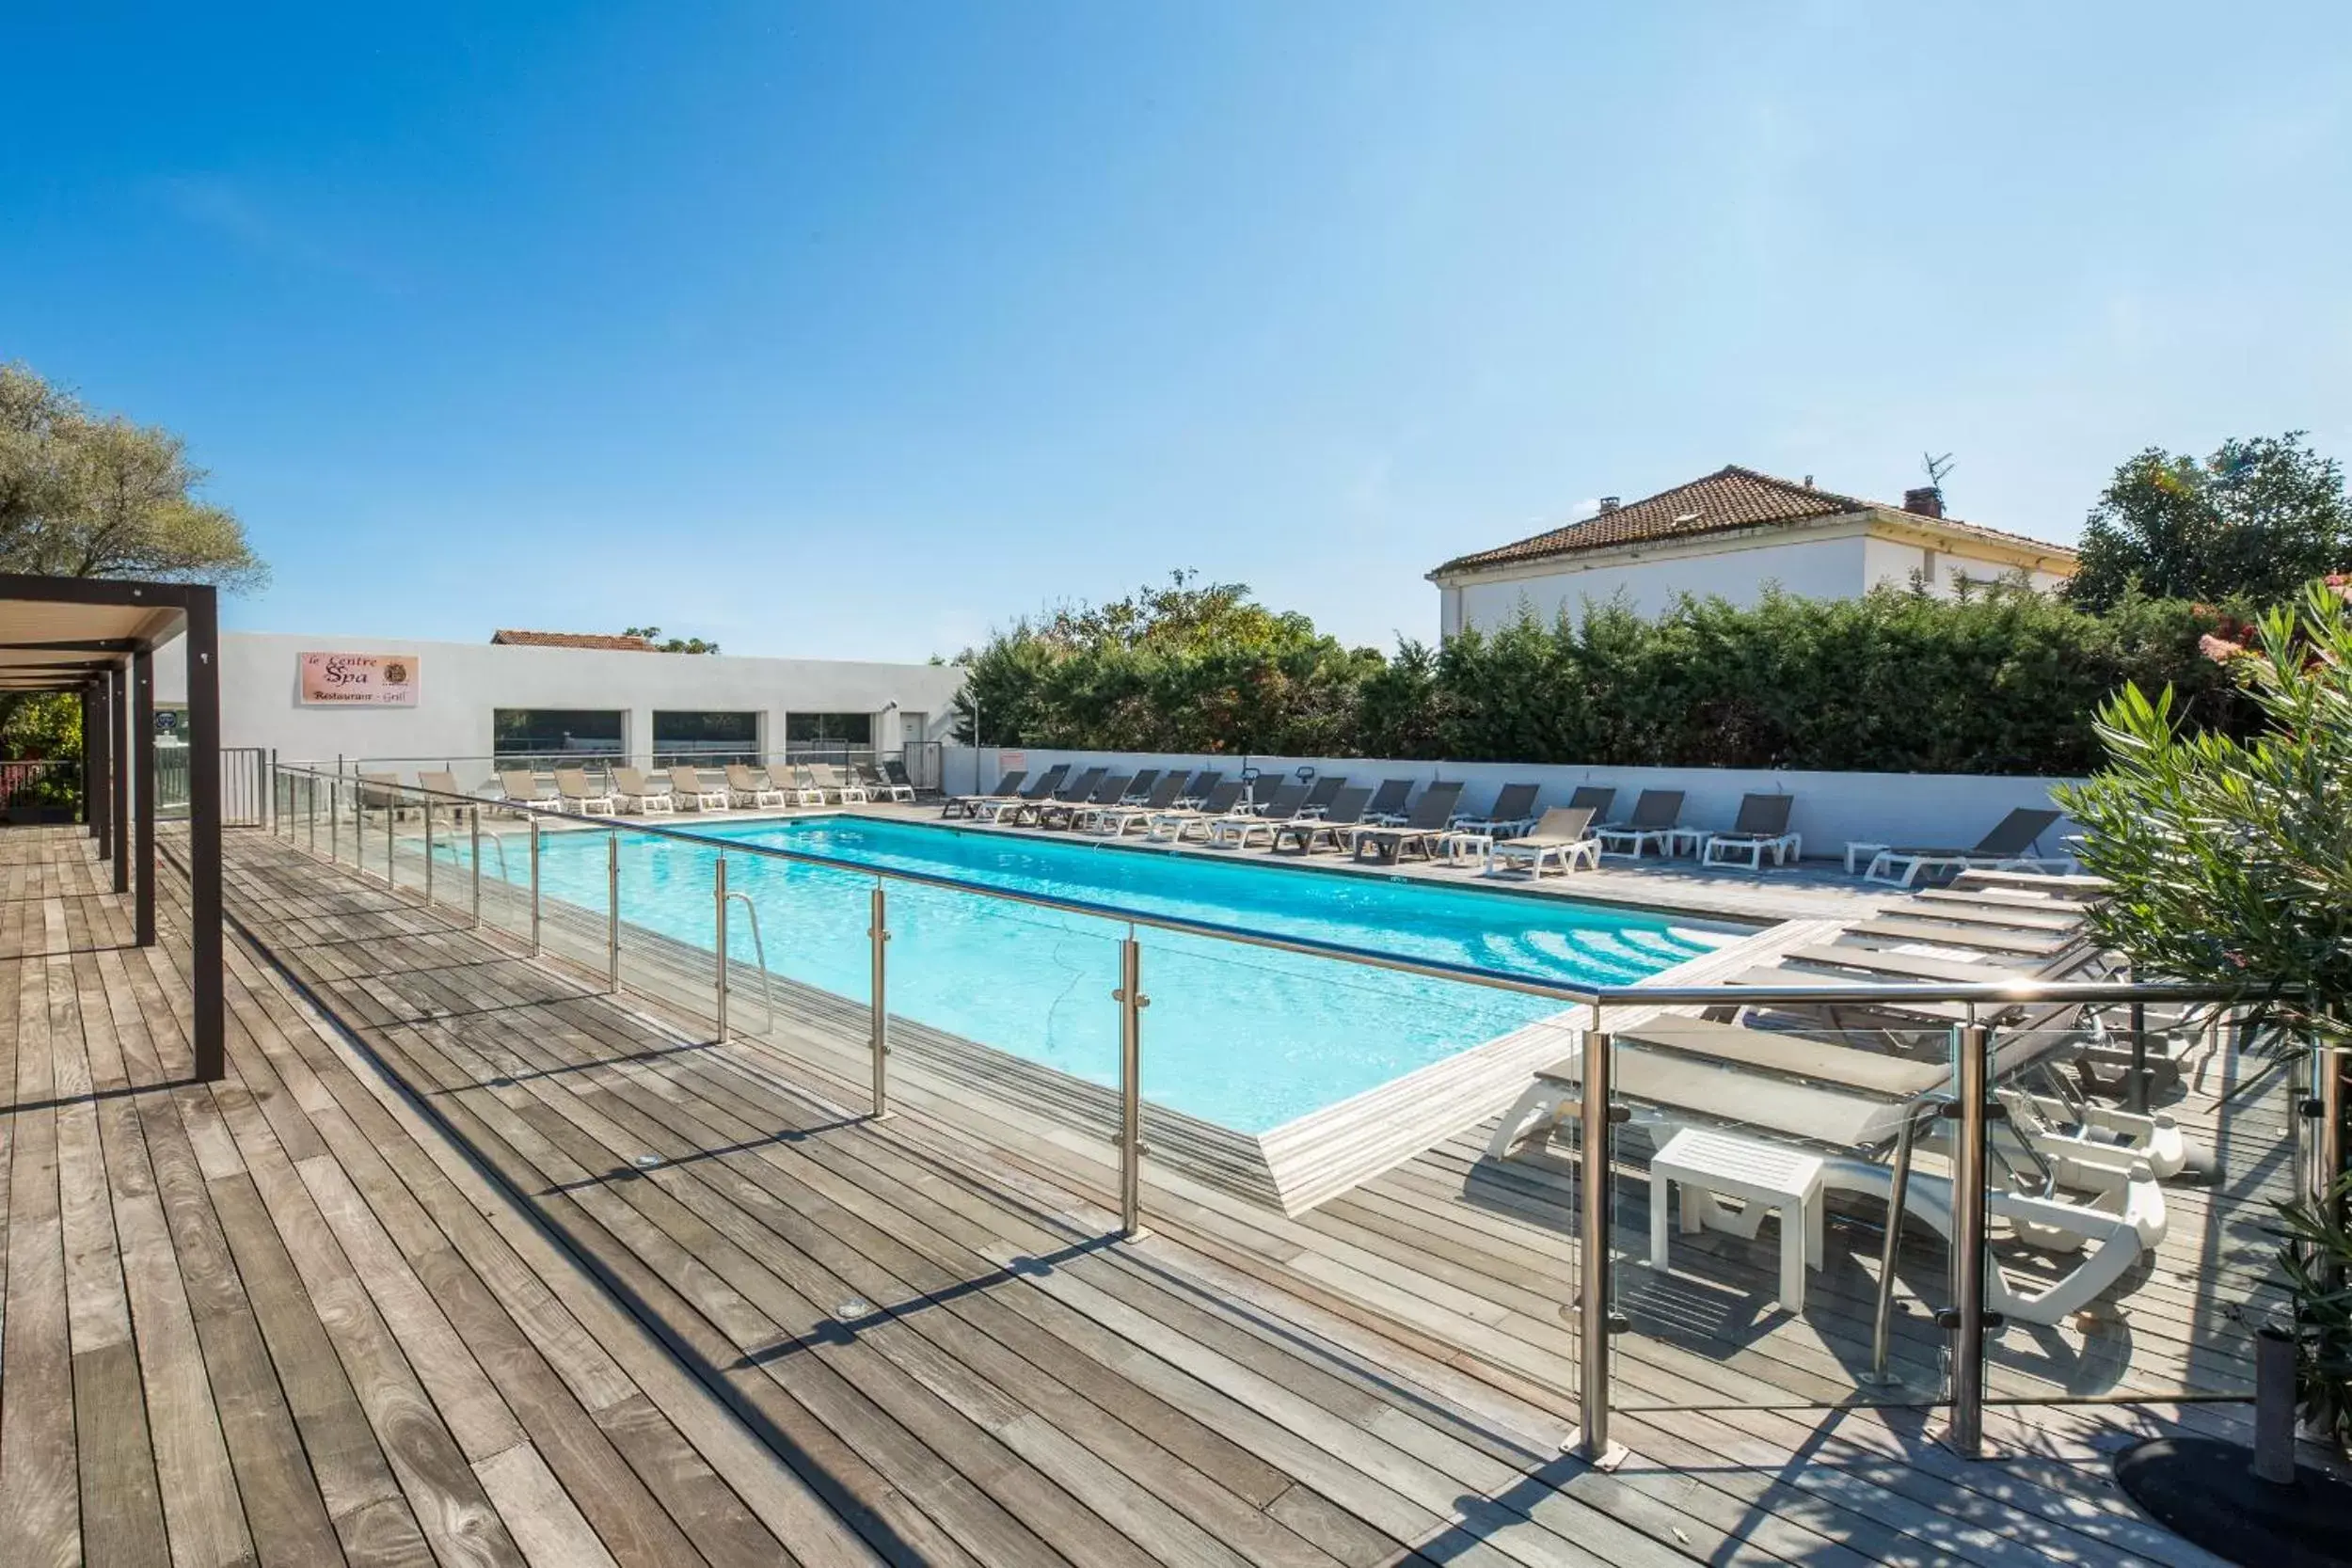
[{"x": 96, "y": 637}]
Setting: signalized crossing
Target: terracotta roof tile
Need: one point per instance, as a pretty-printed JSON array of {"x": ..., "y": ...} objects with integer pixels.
[
  {"x": 1730, "y": 497},
  {"x": 572, "y": 639}
]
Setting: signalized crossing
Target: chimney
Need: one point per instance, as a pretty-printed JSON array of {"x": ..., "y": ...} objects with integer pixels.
[
  {"x": 1926, "y": 502},
  {"x": 1608, "y": 504}
]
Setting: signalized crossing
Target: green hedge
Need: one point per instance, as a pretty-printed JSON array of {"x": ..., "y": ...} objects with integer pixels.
[{"x": 2005, "y": 682}]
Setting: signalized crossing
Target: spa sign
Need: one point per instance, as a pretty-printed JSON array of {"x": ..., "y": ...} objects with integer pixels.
[{"x": 366, "y": 680}]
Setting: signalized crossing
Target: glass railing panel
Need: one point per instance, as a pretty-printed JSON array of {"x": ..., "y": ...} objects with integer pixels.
[
  {"x": 1010, "y": 1002},
  {"x": 2134, "y": 1251},
  {"x": 1753, "y": 1177}
]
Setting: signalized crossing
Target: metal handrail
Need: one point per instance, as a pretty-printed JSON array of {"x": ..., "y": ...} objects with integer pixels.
[
  {"x": 1971, "y": 1103},
  {"x": 1439, "y": 969}
]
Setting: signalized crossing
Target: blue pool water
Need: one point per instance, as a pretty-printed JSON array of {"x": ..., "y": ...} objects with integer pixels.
[{"x": 1243, "y": 1037}]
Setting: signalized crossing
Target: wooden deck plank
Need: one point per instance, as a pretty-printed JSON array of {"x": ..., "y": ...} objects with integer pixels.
[{"x": 404, "y": 1269}]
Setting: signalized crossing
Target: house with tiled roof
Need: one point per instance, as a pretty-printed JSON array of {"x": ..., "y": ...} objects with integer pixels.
[{"x": 1732, "y": 534}]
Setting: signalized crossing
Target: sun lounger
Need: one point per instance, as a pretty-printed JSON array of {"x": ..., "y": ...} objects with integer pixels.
[
  {"x": 1040, "y": 788},
  {"x": 1114, "y": 821},
  {"x": 879, "y": 785},
  {"x": 579, "y": 796},
  {"x": 1388, "y": 802},
  {"x": 1760, "y": 828},
  {"x": 1139, "y": 788},
  {"x": 751, "y": 787},
  {"x": 830, "y": 780},
  {"x": 2010, "y": 846},
  {"x": 902, "y": 786},
  {"x": 1077, "y": 792},
  {"x": 633, "y": 790},
  {"x": 1197, "y": 791},
  {"x": 1421, "y": 831},
  {"x": 961, "y": 805},
  {"x": 1559, "y": 837},
  {"x": 1513, "y": 812},
  {"x": 1326, "y": 790},
  {"x": 1656, "y": 812},
  {"x": 801, "y": 788},
  {"x": 1303, "y": 835},
  {"x": 520, "y": 788},
  {"x": 1692, "y": 1077},
  {"x": 686, "y": 785},
  {"x": 1235, "y": 831},
  {"x": 1108, "y": 791},
  {"x": 1174, "y": 827},
  {"x": 1596, "y": 799}
]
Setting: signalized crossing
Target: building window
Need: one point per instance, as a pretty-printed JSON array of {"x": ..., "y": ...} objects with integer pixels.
[
  {"x": 557, "y": 732},
  {"x": 824, "y": 735},
  {"x": 717, "y": 737}
]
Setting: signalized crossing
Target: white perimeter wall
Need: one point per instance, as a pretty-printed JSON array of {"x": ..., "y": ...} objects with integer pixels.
[
  {"x": 460, "y": 683},
  {"x": 1937, "y": 809},
  {"x": 1813, "y": 569}
]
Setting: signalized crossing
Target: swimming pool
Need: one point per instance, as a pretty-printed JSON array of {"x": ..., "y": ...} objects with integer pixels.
[{"x": 1243, "y": 1037}]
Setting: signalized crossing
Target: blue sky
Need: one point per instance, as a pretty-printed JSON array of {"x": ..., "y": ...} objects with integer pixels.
[{"x": 852, "y": 330}]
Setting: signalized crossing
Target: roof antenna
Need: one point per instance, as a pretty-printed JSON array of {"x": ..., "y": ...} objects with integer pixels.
[{"x": 1937, "y": 468}]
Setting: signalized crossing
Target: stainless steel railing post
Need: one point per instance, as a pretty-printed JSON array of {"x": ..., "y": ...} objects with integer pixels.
[
  {"x": 426, "y": 802},
  {"x": 391, "y": 835},
  {"x": 878, "y": 938},
  {"x": 473, "y": 849},
  {"x": 334, "y": 822},
  {"x": 718, "y": 894},
  {"x": 612, "y": 909},
  {"x": 1131, "y": 1005},
  {"x": 1967, "y": 1321},
  {"x": 1898, "y": 1195},
  {"x": 534, "y": 885},
  {"x": 1597, "y": 1299},
  {"x": 310, "y": 807}
]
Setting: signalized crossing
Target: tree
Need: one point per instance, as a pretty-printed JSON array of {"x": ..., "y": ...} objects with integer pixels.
[
  {"x": 91, "y": 495},
  {"x": 674, "y": 645},
  {"x": 2232, "y": 865},
  {"x": 2259, "y": 518}
]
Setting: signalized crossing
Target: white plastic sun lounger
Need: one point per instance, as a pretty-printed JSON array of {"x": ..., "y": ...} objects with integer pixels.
[
  {"x": 2127, "y": 1216},
  {"x": 751, "y": 787},
  {"x": 2010, "y": 846},
  {"x": 580, "y": 797},
  {"x": 1559, "y": 837},
  {"x": 633, "y": 789},
  {"x": 686, "y": 783},
  {"x": 1761, "y": 828}
]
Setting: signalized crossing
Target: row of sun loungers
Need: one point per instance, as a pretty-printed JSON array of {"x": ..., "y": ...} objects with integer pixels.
[
  {"x": 1388, "y": 824},
  {"x": 1850, "y": 1092},
  {"x": 632, "y": 790}
]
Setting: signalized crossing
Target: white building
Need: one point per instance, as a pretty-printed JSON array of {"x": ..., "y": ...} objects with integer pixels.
[
  {"x": 536, "y": 695},
  {"x": 1728, "y": 535}
]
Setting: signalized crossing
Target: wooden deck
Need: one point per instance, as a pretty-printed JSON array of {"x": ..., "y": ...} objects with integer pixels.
[{"x": 465, "y": 1262}]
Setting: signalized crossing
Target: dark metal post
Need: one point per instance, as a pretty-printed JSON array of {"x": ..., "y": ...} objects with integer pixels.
[
  {"x": 82, "y": 766},
  {"x": 119, "y": 805},
  {"x": 1131, "y": 1005},
  {"x": 534, "y": 884},
  {"x": 1968, "y": 1323},
  {"x": 143, "y": 753},
  {"x": 204, "y": 956},
  {"x": 878, "y": 938},
  {"x": 1594, "y": 1259},
  {"x": 98, "y": 757}
]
